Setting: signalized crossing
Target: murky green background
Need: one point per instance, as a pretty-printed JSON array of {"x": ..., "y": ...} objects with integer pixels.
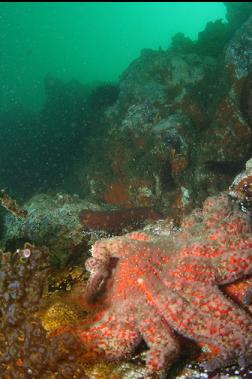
[{"x": 85, "y": 41}]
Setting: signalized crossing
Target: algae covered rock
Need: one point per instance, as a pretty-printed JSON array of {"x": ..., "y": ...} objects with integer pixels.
[
  {"x": 52, "y": 221},
  {"x": 239, "y": 50},
  {"x": 26, "y": 350}
]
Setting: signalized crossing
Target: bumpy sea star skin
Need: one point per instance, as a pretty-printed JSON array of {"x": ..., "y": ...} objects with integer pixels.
[
  {"x": 241, "y": 191},
  {"x": 166, "y": 284}
]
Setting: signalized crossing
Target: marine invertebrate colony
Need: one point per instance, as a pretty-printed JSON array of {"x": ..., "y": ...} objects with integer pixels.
[
  {"x": 26, "y": 351},
  {"x": 167, "y": 284}
]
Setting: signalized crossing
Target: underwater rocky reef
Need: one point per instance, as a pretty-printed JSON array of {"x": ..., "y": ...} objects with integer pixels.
[
  {"x": 165, "y": 283},
  {"x": 126, "y": 230}
]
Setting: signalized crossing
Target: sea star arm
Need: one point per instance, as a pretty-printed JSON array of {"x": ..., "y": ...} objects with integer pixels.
[
  {"x": 219, "y": 322},
  {"x": 233, "y": 265},
  {"x": 101, "y": 263},
  {"x": 208, "y": 317},
  {"x": 111, "y": 336},
  {"x": 162, "y": 342},
  {"x": 116, "y": 247}
]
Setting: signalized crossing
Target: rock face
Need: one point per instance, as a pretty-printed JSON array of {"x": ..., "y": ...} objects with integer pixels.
[
  {"x": 69, "y": 225},
  {"x": 54, "y": 221},
  {"x": 239, "y": 51},
  {"x": 181, "y": 126},
  {"x": 152, "y": 76},
  {"x": 175, "y": 128}
]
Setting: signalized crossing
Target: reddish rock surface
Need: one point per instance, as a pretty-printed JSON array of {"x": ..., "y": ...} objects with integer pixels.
[{"x": 114, "y": 221}]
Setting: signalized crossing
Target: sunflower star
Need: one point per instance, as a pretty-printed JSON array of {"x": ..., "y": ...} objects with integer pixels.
[{"x": 163, "y": 285}]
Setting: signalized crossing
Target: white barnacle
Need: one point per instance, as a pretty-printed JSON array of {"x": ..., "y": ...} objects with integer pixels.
[{"x": 26, "y": 253}]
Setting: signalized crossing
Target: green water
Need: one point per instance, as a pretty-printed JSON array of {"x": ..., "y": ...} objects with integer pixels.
[{"x": 86, "y": 41}]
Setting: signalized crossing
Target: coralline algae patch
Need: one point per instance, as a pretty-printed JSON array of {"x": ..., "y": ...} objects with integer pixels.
[{"x": 59, "y": 314}]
